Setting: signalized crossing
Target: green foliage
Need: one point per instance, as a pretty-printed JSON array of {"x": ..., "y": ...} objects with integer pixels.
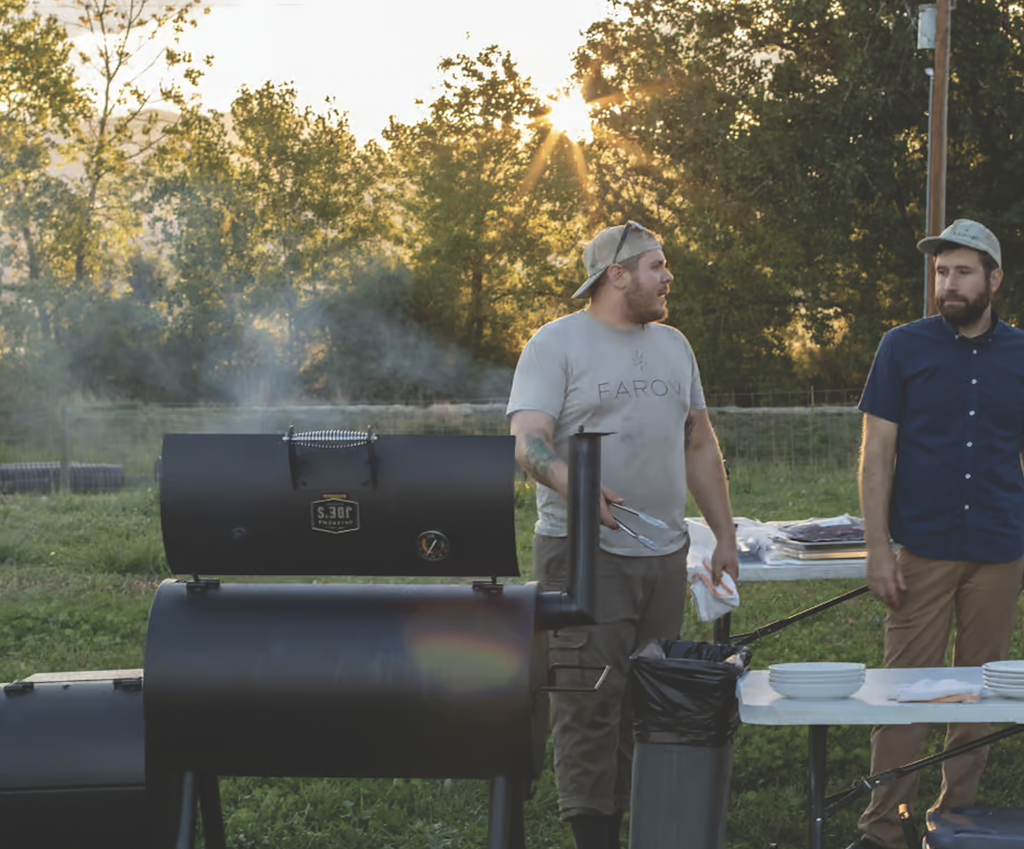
[
  {"x": 781, "y": 147},
  {"x": 493, "y": 199},
  {"x": 72, "y": 140},
  {"x": 99, "y": 632},
  {"x": 263, "y": 255},
  {"x": 102, "y": 534},
  {"x": 36, "y": 83}
]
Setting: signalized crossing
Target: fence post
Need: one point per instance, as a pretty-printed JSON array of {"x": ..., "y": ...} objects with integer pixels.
[
  {"x": 810, "y": 422},
  {"x": 65, "y": 450}
]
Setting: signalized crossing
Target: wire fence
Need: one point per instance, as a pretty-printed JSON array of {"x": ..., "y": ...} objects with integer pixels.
[{"x": 104, "y": 447}]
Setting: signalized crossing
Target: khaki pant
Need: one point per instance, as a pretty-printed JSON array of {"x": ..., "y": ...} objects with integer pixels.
[
  {"x": 638, "y": 599},
  {"x": 983, "y": 597}
]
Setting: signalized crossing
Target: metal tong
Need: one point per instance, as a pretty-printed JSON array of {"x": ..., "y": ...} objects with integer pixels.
[
  {"x": 640, "y": 538},
  {"x": 649, "y": 519}
]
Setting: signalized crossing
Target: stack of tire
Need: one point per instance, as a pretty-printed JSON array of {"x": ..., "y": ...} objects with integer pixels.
[{"x": 44, "y": 478}]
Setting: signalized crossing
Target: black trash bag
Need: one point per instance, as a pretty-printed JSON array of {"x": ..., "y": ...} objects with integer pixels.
[{"x": 685, "y": 692}]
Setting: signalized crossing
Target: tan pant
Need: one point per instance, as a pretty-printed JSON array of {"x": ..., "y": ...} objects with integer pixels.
[
  {"x": 983, "y": 597},
  {"x": 638, "y": 599}
]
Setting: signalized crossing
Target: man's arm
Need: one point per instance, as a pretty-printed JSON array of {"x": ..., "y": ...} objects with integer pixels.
[
  {"x": 535, "y": 453},
  {"x": 705, "y": 478},
  {"x": 877, "y": 468},
  {"x": 535, "y": 450}
]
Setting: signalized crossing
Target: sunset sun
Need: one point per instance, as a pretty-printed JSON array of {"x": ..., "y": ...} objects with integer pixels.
[{"x": 570, "y": 116}]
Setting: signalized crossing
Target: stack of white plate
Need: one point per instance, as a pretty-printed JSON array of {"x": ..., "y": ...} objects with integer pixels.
[
  {"x": 1005, "y": 678},
  {"x": 816, "y": 680}
]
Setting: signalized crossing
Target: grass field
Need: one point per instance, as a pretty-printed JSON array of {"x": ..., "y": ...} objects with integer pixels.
[{"x": 77, "y": 574}]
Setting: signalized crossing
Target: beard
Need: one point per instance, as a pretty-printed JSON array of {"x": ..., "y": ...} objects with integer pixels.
[
  {"x": 644, "y": 307},
  {"x": 965, "y": 311}
]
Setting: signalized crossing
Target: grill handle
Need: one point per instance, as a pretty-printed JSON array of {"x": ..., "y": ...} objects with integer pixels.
[{"x": 552, "y": 687}]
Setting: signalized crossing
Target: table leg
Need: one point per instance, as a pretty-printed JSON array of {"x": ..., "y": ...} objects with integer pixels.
[
  {"x": 722, "y": 625},
  {"x": 816, "y": 784}
]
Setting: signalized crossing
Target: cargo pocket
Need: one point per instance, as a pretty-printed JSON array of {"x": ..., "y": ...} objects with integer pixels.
[{"x": 565, "y": 649}]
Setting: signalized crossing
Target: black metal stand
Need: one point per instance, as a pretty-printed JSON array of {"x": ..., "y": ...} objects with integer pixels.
[
  {"x": 723, "y": 623},
  {"x": 779, "y": 624},
  {"x": 823, "y": 808},
  {"x": 818, "y": 736},
  {"x": 507, "y": 829},
  {"x": 200, "y": 792},
  {"x": 212, "y": 815},
  {"x": 186, "y": 838}
]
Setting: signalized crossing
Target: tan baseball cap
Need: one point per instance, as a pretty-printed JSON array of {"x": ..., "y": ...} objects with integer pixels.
[
  {"x": 614, "y": 245},
  {"x": 968, "y": 233}
]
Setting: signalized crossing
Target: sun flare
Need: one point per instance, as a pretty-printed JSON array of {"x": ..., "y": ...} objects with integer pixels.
[{"x": 570, "y": 116}]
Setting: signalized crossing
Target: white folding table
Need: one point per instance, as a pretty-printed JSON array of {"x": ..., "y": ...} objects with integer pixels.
[
  {"x": 802, "y": 570},
  {"x": 702, "y": 543},
  {"x": 873, "y": 704},
  {"x": 790, "y": 570}
]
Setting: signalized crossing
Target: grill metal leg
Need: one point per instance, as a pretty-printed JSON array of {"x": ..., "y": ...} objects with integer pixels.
[
  {"x": 213, "y": 817},
  {"x": 507, "y": 828},
  {"x": 186, "y": 838}
]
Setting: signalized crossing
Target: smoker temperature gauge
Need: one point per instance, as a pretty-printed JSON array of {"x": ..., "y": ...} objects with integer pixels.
[{"x": 433, "y": 546}]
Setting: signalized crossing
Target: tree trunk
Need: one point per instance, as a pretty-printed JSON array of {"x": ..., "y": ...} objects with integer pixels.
[{"x": 475, "y": 328}]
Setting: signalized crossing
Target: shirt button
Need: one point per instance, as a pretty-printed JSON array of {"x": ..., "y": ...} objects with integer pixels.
[
  {"x": 974, "y": 380},
  {"x": 970, "y": 444},
  {"x": 971, "y": 413},
  {"x": 967, "y": 507},
  {"x": 968, "y": 476},
  {"x": 975, "y": 351}
]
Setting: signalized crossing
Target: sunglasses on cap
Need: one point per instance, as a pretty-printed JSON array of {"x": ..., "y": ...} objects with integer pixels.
[{"x": 630, "y": 226}]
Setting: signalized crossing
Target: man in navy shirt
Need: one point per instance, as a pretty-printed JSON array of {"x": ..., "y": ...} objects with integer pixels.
[{"x": 941, "y": 475}]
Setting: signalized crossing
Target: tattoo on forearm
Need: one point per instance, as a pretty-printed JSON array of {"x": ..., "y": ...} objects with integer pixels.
[
  {"x": 688, "y": 427},
  {"x": 540, "y": 457}
]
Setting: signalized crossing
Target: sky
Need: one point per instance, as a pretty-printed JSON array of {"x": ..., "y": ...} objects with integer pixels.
[{"x": 376, "y": 57}]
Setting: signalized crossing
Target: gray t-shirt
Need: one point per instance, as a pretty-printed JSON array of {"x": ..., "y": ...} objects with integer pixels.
[{"x": 639, "y": 385}]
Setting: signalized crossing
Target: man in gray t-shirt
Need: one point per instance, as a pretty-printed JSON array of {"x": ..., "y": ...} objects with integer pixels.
[{"x": 614, "y": 368}]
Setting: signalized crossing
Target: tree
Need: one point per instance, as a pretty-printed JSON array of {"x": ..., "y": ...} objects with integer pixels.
[
  {"x": 39, "y": 102},
  {"x": 794, "y": 134},
  {"x": 492, "y": 207},
  {"x": 123, "y": 46},
  {"x": 307, "y": 188},
  {"x": 204, "y": 225},
  {"x": 74, "y": 214},
  {"x": 269, "y": 212}
]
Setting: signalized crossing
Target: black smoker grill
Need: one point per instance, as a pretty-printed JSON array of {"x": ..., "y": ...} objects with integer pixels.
[
  {"x": 72, "y": 761},
  {"x": 355, "y": 680}
]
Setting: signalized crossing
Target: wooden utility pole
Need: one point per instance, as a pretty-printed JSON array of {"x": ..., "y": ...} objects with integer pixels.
[{"x": 937, "y": 137}]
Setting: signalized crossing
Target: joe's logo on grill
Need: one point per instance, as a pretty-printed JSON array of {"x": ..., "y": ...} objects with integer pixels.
[{"x": 335, "y": 515}]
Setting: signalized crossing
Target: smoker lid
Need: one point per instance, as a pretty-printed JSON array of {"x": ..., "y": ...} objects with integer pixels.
[{"x": 347, "y": 504}]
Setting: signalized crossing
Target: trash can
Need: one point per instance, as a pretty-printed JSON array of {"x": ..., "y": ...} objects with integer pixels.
[{"x": 685, "y": 715}]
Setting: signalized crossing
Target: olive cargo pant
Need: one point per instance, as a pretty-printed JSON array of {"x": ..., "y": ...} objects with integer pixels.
[
  {"x": 983, "y": 597},
  {"x": 638, "y": 599}
]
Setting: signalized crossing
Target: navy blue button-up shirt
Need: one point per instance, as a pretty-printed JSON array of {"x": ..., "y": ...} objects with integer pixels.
[{"x": 958, "y": 491}]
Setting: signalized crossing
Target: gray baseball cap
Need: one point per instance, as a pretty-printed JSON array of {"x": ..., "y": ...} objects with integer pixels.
[
  {"x": 968, "y": 233},
  {"x": 614, "y": 245}
]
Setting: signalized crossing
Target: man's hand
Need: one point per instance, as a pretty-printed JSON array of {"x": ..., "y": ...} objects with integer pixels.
[
  {"x": 607, "y": 499},
  {"x": 725, "y": 558},
  {"x": 885, "y": 578}
]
